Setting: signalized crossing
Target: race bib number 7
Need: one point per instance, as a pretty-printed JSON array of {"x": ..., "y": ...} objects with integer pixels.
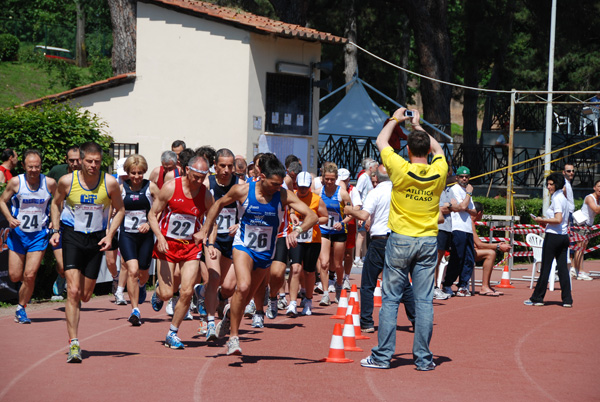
[
  {"x": 88, "y": 218},
  {"x": 258, "y": 238},
  {"x": 181, "y": 226}
]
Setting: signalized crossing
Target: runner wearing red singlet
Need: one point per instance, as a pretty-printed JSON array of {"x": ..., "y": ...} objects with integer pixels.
[{"x": 182, "y": 202}]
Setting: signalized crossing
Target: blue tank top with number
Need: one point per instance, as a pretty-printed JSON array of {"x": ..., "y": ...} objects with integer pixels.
[
  {"x": 335, "y": 212},
  {"x": 259, "y": 224},
  {"x": 31, "y": 207}
]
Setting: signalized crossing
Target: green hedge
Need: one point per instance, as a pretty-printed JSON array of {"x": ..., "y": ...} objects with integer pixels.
[{"x": 9, "y": 47}]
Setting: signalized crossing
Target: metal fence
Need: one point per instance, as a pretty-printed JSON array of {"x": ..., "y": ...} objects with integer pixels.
[{"x": 120, "y": 150}]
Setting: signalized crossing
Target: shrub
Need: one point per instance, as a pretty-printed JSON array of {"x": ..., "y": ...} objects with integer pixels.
[{"x": 9, "y": 47}]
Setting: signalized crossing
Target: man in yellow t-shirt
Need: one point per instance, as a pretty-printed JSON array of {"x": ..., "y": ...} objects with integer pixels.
[{"x": 412, "y": 245}]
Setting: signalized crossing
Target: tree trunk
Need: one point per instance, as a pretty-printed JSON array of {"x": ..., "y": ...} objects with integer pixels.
[
  {"x": 473, "y": 12},
  {"x": 80, "y": 52},
  {"x": 428, "y": 19},
  {"x": 123, "y": 17},
  {"x": 291, "y": 11},
  {"x": 402, "y": 92},
  {"x": 350, "y": 51}
]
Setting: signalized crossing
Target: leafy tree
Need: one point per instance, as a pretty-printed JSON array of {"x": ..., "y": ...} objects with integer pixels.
[{"x": 51, "y": 128}]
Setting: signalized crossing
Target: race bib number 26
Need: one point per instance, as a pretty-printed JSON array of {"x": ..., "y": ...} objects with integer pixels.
[{"x": 258, "y": 238}]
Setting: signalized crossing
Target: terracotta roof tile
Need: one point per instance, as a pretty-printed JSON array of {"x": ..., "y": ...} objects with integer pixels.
[
  {"x": 247, "y": 21},
  {"x": 83, "y": 90}
]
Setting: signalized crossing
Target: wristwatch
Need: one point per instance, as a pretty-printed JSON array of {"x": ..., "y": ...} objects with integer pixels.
[
  {"x": 471, "y": 194},
  {"x": 298, "y": 229},
  {"x": 53, "y": 231},
  {"x": 498, "y": 247}
]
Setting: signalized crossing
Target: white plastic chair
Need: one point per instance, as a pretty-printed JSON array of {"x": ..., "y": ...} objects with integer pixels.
[
  {"x": 535, "y": 242},
  {"x": 552, "y": 277}
]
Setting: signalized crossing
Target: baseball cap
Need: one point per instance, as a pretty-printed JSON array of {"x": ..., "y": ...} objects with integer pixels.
[
  {"x": 343, "y": 174},
  {"x": 463, "y": 170},
  {"x": 120, "y": 165},
  {"x": 304, "y": 179}
]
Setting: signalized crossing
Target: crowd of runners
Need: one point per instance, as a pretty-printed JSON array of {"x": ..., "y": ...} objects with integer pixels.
[{"x": 224, "y": 233}]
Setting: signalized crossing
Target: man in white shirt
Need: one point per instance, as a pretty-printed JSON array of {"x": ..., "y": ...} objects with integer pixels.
[
  {"x": 462, "y": 255},
  {"x": 375, "y": 212},
  {"x": 363, "y": 185},
  {"x": 569, "y": 173}
]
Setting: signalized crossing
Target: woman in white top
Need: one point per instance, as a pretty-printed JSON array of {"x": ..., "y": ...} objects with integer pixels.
[
  {"x": 590, "y": 207},
  {"x": 556, "y": 244}
]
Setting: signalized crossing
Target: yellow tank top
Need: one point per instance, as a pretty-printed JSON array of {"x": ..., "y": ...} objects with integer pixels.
[{"x": 87, "y": 210}]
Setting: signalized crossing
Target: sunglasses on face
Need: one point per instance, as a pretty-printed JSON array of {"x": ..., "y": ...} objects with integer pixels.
[
  {"x": 463, "y": 176},
  {"x": 570, "y": 171}
]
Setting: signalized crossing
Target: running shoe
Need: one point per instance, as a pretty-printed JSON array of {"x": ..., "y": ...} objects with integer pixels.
[
  {"x": 171, "y": 306},
  {"x": 291, "y": 310},
  {"x": 282, "y": 303},
  {"x": 250, "y": 309},
  {"x": 528, "y": 302},
  {"x": 463, "y": 292},
  {"x": 74, "y": 353},
  {"x": 156, "y": 302},
  {"x": 567, "y": 305},
  {"x": 307, "y": 310},
  {"x": 189, "y": 316},
  {"x": 319, "y": 288},
  {"x": 59, "y": 286},
  {"x": 370, "y": 363},
  {"x": 438, "y": 294},
  {"x": 142, "y": 296},
  {"x": 272, "y": 309},
  {"x": 338, "y": 292},
  {"x": 173, "y": 341},
  {"x": 203, "y": 327},
  {"x": 573, "y": 272},
  {"x": 135, "y": 319},
  {"x": 331, "y": 287},
  {"x": 120, "y": 300},
  {"x": 584, "y": 276},
  {"x": 429, "y": 367},
  {"x": 448, "y": 290},
  {"x": 223, "y": 325},
  {"x": 325, "y": 300},
  {"x": 211, "y": 332},
  {"x": 200, "y": 300},
  {"x": 346, "y": 283},
  {"x": 233, "y": 346},
  {"x": 258, "y": 320},
  {"x": 21, "y": 317}
]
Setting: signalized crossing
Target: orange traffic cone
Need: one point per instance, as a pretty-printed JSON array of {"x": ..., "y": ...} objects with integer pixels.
[
  {"x": 336, "y": 347},
  {"x": 505, "y": 281},
  {"x": 340, "y": 314},
  {"x": 356, "y": 322},
  {"x": 348, "y": 335},
  {"x": 354, "y": 293},
  {"x": 348, "y": 311},
  {"x": 377, "y": 295}
]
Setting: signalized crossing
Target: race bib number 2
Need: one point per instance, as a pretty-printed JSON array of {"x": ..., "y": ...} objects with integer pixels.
[
  {"x": 181, "y": 226},
  {"x": 133, "y": 220},
  {"x": 258, "y": 238}
]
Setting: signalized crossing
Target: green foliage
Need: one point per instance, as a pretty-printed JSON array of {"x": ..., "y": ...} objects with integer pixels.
[
  {"x": 100, "y": 68},
  {"x": 51, "y": 128},
  {"x": 9, "y": 47}
]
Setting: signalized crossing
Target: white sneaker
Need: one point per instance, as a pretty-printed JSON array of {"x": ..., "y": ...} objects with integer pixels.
[
  {"x": 291, "y": 310},
  {"x": 331, "y": 288},
  {"x": 346, "y": 283},
  {"x": 171, "y": 306},
  {"x": 120, "y": 300},
  {"x": 250, "y": 309},
  {"x": 189, "y": 316},
  {"x": 319, "y": 288},
  {"x": 573, "y": 272},
  {"x": 584, "y": 276},
  {"x": 439, "y": 295},
  {"x": 307, "y": 310}
]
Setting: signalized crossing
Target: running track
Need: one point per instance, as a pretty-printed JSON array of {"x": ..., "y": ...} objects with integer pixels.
[{"x": 486, "y": 349}]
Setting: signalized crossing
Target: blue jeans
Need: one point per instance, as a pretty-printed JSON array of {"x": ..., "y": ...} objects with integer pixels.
[
  {"x": 404, "y": 255},
  {"x": 372, "y": 267}
]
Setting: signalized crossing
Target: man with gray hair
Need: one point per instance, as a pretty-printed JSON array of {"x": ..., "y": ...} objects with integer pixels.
[
  {"x": 167, "y": 169},
  {"x": 375, "y": 212}
]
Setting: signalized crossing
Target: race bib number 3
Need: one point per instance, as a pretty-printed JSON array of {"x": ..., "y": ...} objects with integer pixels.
[
  {"x": 88, "y": 218},
  {"x": 258, "y": 238},
  {"x": 32, "y": 220},
  {"x": 133, "y": 220},
  {"x": 181, "y": 226},
  {"x": 225, "y": 220}
]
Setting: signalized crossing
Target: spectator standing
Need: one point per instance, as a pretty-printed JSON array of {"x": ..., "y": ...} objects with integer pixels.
[{"x": 9, "y": 161}]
